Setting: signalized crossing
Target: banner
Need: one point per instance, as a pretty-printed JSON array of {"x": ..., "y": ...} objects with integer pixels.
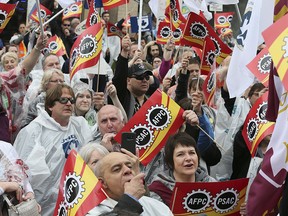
[
  {"x": 45, "y": 13},
  {"x": 79, "y": 189},
  {"x": 7, "y": 11},
  {"x": 86, "y": 49},
  {"x": 74, "y": 10},
  {"x": 260, "y": 66},
  {"x": 223, "y": 20},
  {"x": 198, "y": 6},
  {"x": 145, "y": 26},
  {"x": 195, "y": 32},
  {"x": 55, "y": 45},
  {"x": 277, "y": 42},
  {"x": 173, "y": 13},
  {"x": 258, "y": 16},
  {"x": 256, "y": 127},
  {"x": 108, "y": 4},
  {"x": 209, "y": 198},
  {"x": 156, "y": 120}
]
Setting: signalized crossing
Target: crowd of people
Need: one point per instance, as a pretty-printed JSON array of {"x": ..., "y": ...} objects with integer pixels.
[{"x": 44, "y": 115}]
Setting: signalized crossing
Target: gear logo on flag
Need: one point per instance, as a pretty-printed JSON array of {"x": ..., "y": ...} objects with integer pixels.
[
  {"x": 264, "y": 64},
  {"x": 88, "y": 46},
  {"x": 210, "y": 57},
  {"x": 197, "y": 201},
  {"x": 226, "y": 200},
  {"x": 158, "y": 117},
  {"x": 73, "y": 58},
  {"x": 73, "y": 189},
  {"x": 94, "y": 18},
  {"x": 3, "y": 16},
  {"x": 177, "y": 34},
  {"x": 172, "y": 4},
  {"x": 211, "y": 83},
  {"x": 198, "y": 30},
  {"x": 261, "y": 112},
  {"x": 144, "y": 136},
  {"x": 53, "y": 46},
  {"x": 62, "y": 210},
  {"x": 217, "y": 46},
  {"x": 165, "y": 32},
  {"x": 252, "y": 129},
  {"x": 74, "y": 8}
]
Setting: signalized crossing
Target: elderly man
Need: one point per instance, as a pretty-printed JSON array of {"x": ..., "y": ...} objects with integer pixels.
[
  {"x": 46, "y": 142},
  {"x": 116, "y": 173},
  {"x": 110, "y": 121}
]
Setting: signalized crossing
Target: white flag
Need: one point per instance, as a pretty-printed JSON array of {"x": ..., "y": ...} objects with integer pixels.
[
  {"x": 257, "y": 17},
  {"x": 158, "y": 8},
  {"x": 198, "y": 5},
  {"x": 222, "y": 2},
  {"x": 65, "y": 3}
]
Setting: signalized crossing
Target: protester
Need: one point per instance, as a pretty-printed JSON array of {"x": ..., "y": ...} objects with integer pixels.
[
  {"x": 182, "y": 157},
  {"x": 46, "y": 142},
  {"x": 117, "y": 177}
]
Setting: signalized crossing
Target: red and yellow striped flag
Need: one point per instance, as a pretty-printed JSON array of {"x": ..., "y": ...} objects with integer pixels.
[
  {"x": 55, "y": 45},
  {"x": 93, "y": 15},
  {"x": 45, "y": 12},
  {"x": 79, "y": 189},
  {"x": 277, "y": 42},
  {"x": 7, "y": 11},
  {"x": 158, "y": 118},
  {"x": 74, "y": 10},
  {"x": 86, "y": 49},
  {"x": 173, "y": 14},
  {"x": 108, "y": 4}
]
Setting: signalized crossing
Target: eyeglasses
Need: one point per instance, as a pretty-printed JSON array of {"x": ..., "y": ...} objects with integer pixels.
[
  {"x": 64, "y": 100},
  {"x": 56, "y": 81},
  {"x": 141, "y": 77}
]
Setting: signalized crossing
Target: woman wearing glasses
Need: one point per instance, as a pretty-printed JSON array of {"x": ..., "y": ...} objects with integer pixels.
[{"x": 51, "y": 78}]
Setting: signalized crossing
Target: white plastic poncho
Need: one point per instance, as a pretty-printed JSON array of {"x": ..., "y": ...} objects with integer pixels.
[{"x": 44, "y": 145}]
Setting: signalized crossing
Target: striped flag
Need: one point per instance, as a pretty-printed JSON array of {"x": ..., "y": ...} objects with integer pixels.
[
  {"x": 93, "y": 15},
  {"x": 195, "y": 32},
  {"x": 173, "y": 13},
  {"x": 74, "y": 10},
  {"x": 164, "y": 32},
  {"x": 45, "y": 12},
  {"x": 86, "y": 49},
  {"x": 159, "y": 117},
  {"x": 79, "y": 189},
  {"x": 7, "y": 11},
  {"x": 277, "y": 42},
  {"x": 208, "y": 56},
  {"x": 55, "y": 45},
  {"x": 260, "y": 66},
  {"x": 113, "y": 30},
  {"x": 256, "y": 127},
  {"x": 108, "y": 4}
]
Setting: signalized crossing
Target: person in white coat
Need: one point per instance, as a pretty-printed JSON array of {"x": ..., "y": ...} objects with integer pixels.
[{"x": 45, "y": 143}]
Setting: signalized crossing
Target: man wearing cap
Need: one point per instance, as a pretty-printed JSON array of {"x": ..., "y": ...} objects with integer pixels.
[{"x": 132, "y": 84}]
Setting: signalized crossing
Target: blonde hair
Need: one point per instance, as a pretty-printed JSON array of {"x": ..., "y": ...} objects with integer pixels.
[
  {"x": 47, "y": 77},
  {"x": 9, "y": 55}
]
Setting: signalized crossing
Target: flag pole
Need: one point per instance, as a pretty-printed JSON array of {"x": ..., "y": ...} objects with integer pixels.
[
  {"x": 140, "y": 23},
  {"x": 126, "y": 8},
  {"x": 39, "y": 17},
  {"x": 238, "y": 13},
  {"x": 201, "y": 63}
]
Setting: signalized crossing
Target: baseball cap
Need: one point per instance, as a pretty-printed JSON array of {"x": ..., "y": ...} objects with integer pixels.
[{"x": 138, "y": 69}]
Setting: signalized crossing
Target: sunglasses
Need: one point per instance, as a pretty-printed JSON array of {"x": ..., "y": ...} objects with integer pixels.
[
  {"x": 141, "y": 77},
  {"x": 64, "y": 100}
]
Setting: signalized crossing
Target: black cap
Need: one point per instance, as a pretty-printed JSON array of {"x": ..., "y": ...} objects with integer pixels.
[{"x": 138, "y": 69}]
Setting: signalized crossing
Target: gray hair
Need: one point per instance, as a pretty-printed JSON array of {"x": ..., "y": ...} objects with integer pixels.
[
  {"x": 43, "y": 60},
  {"x": 119, "y": 112},
  {"x": 47, "y": 77},
  {"x": 87, "y": 150}
]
